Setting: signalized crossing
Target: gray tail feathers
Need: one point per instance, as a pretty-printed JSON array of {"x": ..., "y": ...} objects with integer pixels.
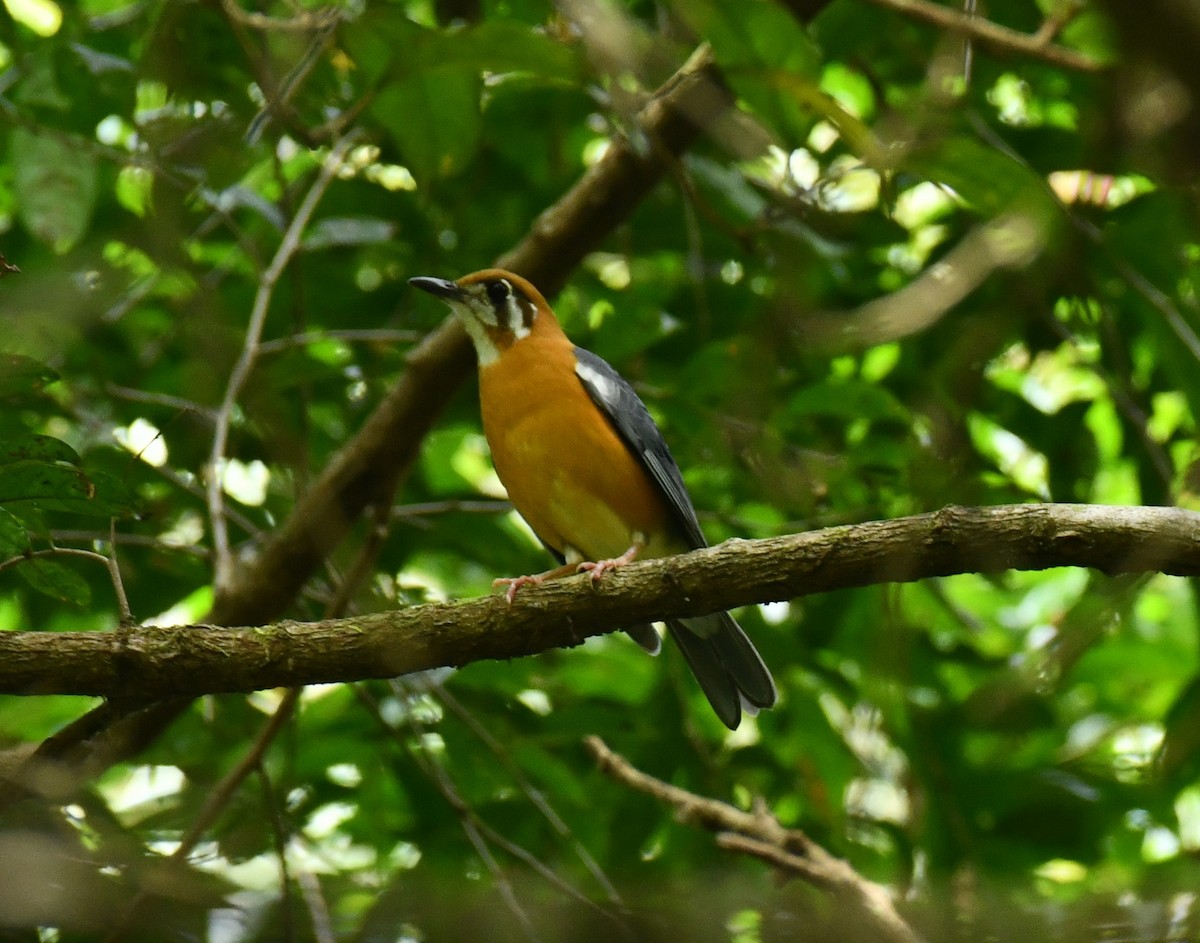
[
  {"x": 730, "y": 671},
  {"x": 645, "y": 636}
]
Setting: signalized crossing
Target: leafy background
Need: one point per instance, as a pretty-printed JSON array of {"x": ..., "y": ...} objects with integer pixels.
[{"x": 1014, "y": 756}]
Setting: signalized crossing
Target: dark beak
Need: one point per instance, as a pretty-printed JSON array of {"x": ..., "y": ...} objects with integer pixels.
[{"x": 439, "y": 287}]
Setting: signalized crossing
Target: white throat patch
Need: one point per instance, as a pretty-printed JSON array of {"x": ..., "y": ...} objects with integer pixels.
[{"x": 485, "y": 349}]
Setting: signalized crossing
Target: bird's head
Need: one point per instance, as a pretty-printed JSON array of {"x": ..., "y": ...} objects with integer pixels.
[{"x": 497, "y": 308}]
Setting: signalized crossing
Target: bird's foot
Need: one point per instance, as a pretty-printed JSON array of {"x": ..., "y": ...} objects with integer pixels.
[
  {"x": 514, "y": 583},
  {"x": 597, "y": 568}
]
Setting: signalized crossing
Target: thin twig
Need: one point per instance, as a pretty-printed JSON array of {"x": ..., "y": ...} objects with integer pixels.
[
  {"x": 54, "y": 552},
  {"x": 1056, "y": 21},
  {"x": 187, "y": 483},
  {"x": 771, "y": 853},
  {"x": 279, "y": 102},
  {"x": 288, "y": 247},
  {"x": 206, "y": 413},
  {"x": 993, "y": 34},
  {"x": 129, "y": 540},
  {"x": 361, "y": 335},
  {"x": 761, "y": 834},
  {"x": 968, "y": 48},
  {"x": 318, "y": 910},
  {"x": 114, "y": 571},
  {"x": 414, "y": 514}
]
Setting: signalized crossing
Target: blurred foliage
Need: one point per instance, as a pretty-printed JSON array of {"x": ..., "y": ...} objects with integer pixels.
[{"x": 904, "y": 285}]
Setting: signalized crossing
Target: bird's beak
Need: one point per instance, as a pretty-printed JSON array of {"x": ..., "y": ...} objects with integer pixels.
[{"x": 439, "y": 287}]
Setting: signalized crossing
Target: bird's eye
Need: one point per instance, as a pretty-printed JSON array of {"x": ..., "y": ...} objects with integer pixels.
[{"x": 498, "y": 292}]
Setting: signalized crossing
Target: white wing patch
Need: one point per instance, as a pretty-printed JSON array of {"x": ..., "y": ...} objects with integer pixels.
[{"x": 603, "y": 386}]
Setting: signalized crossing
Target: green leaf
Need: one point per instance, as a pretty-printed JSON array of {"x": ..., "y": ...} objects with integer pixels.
[
  {"x": 56, "y": 580},
  {"x": 55, "y": 487},
  {"x": 41, "y": 448},
  {"x": 756, "y": 42},
  {"x": 434, "y": 120},
  {"x": 372, "y": 40},
  {"x": 849, "y": 399},
  {"x": 14, "y": 540},
  {"x": 989, "y": 181},
  {"x": 113, "y": 496},
  {"x": 750, "y": 33},
  {"x": 504, "y": 46},
  {"x": 41, "y": 481},
  {"x": 55, "y": 185},
  {"x": 383, "y": 44},
  {"x": 22, "y": 375}
]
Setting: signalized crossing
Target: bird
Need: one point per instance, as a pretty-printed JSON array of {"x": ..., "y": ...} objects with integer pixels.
[{"x": 588, "y": 469}]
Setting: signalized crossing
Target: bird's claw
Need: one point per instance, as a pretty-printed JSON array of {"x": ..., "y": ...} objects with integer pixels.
[
  {"x": 514, "y": 583},
  {"x": 598, "y": 568}
]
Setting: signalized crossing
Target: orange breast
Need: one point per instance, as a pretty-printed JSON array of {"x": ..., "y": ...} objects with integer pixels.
[{"x": 567, "y": 472}]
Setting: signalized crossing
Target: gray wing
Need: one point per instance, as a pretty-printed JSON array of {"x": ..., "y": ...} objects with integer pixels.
[
  {"x": 630, "y": 418},
  {"x": 730, "y": 670}
]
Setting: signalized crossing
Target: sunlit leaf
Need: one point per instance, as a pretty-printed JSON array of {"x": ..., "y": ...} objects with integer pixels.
[{"x": 434, "y": 120}]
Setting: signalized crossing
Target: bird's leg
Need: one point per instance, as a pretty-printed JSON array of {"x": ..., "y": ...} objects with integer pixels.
[
  {"x": 599, "y": 567},
  {"x": 514, "y": 583},
  {"x": 596, "y": 568}
]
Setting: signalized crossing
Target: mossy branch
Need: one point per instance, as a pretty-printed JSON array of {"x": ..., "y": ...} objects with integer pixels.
[{"x": 146, "y": 664}]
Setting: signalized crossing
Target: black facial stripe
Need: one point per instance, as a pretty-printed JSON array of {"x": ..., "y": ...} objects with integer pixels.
[{"x": 511, "y": 307}]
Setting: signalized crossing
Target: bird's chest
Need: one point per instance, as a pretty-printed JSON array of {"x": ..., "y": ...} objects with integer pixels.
[{"x": 566, "y": 470}]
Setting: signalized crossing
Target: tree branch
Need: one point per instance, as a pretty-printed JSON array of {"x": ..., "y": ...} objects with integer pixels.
[
  {"x": 1001, "y": 38},
  {"x": 759, "y": 833},
  {"x": 186, "y": 661}
]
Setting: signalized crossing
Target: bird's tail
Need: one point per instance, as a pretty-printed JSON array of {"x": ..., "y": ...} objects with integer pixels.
[
  {"x": 727, "y": 665},
  {"x": 645, "y": 636}
]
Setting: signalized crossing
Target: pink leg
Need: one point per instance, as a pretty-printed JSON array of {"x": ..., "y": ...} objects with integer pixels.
[
  {"x": 600, "y": 567},
  {"x": 514, "y": 583}
]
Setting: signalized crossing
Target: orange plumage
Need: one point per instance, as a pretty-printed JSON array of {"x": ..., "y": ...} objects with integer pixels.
[
  {"x": 571, "y": 478},
  {"x": 589, "y": 471}
]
